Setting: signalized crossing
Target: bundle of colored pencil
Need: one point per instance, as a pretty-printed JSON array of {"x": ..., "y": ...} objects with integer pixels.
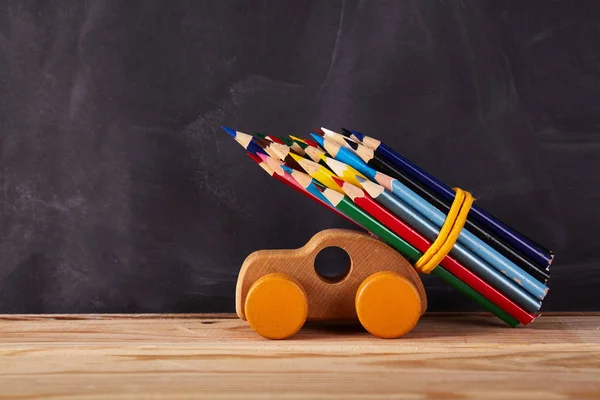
[{"x": 372, "y": 185}]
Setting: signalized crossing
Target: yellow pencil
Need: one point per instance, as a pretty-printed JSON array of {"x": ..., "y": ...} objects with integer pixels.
[
  {"x": 318, "y": 172},
  {"x": 346, "y": 172},
  {"x": 297, "y": 139}
]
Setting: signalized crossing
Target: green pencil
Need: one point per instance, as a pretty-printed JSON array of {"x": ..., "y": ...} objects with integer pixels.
[{"x": 346, "y": 206}]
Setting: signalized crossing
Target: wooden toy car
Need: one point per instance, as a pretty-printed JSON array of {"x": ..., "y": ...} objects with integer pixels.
[{"x": 278, "y": 290}]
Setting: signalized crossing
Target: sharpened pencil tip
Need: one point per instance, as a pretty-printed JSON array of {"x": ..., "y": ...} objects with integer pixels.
[
  {"x": 297, "y": 139},
  {"x": 351, "y": 143},
  {"x": 360, "y": 179},
  {"x": 319, "y": 131},
  {"x": 318, "y": 139},
  {"x": 357, "y": 134},
  {"x": 338, "y": 181},
  {"x": 286, "y": 168},
  {"x": 346, "y": 132},
  {"x": 230, "y": 131},
  {"x": 286, "y": 141},
  {"x": 254, "y": 157},
  {"x": 297, "y": 157},
  {"x": 311, "y": 143}
]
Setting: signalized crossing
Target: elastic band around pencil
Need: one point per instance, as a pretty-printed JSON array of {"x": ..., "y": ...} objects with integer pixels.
[{"x": 455, "y": 220}]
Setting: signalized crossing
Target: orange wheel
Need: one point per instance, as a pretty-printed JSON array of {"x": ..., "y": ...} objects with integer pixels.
[
  {"x": 388, "y": 304},
  {"x": 276, "y": 306}
]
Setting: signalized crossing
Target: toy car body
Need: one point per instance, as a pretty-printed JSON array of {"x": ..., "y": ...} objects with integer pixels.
[{"x": 278, "y": 290}]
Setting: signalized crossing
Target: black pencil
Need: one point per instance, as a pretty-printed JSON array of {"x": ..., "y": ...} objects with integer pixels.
[{"x": 380, "y": 164}]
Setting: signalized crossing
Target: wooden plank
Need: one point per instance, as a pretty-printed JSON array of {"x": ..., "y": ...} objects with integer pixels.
[{"x": 214, "y": 356}]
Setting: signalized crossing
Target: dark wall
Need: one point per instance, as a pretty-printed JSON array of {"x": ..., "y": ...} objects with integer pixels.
[{"x": 120, "y": 193}]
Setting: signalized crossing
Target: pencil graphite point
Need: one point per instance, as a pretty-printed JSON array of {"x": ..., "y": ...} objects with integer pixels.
[
  {"x": 260, "y": 135},
  {"x": 262, "y": 156},
  {"x": 357, "y": 134},
  {"x": 328, "y": 131},
  {"x": 297, "y": 157},
  {"x": 287, "y": 168},
  {"x": 351, "y": 143},
  {"x": 338, "y": 181},
  {"x": 311, "y": 143},
  {"x": 318, "y": 139},
  {"x": 302, "y": 144},
  {"x": 343, "y": 170},
  {"x": 286, "y": 141},
  {"x": 254, "y": 157},
  {"x": 346, "y": 132},
  {"x": 297, "y": 138},
  {"x": 275, "y": 139},
  {"x": 230, "y": 131}
]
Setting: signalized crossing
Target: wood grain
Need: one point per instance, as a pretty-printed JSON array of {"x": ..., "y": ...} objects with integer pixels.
[
  {"x": 327, "y": 300},
  {"x": 213, "y": 356}
]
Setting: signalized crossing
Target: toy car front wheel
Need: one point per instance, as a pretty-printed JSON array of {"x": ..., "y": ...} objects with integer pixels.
[{"x": 388, "y": 305}]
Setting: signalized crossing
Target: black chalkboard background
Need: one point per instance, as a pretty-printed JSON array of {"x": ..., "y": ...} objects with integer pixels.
[{"x": 120, "y": 193}]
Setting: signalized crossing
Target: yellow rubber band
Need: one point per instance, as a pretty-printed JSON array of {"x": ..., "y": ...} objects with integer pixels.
[{"x": 455, "y": 220}]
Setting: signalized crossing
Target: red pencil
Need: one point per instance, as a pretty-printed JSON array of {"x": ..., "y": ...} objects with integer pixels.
[
  {"x": 273, "y": 167},
  {"x": 290, "y": 182},
  {"x": 364, "y": 201},
  {"x": 268, "y": 137}
]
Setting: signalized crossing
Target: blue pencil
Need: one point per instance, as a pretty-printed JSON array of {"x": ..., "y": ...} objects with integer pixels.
[
  {"x": 248, "y": 142},
  {"x": 476, "y": 245},
  {"x": 468, "y": 259},
  {"x": 376, "y": 162},
  {"x": 517, "y": 240}
]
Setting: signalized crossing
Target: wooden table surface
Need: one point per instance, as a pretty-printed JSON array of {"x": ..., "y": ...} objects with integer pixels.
[{"x": 218, "y": 356}]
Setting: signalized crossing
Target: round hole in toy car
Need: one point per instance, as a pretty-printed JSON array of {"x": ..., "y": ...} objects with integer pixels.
[{"x": 333, "y": 264}]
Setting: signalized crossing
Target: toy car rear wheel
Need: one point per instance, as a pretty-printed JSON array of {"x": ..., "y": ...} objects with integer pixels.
[
  {"x": 276, "y": 306},
  {"x": 388, "y": 305}
]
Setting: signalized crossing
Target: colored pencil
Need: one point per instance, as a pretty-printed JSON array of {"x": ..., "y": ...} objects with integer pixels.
[
  {"x": 345, "y": 205},
  {"x": 344, "y": 171},
  {"x": 297, "y": 139},
  {"x": 401, "y": 228},
  {"x": 315, "y": 154},
  {"x": 280, "y": 151},
  {"x": 312, "y": 143},
  {"x": 401, "y": 210},
  {"x": 336, "y": 138},
  {"x": 280, "y": 171},
  {"x": 345, "y": 155},
  {"x": 268, "y": 137},
  {"x": 421, "y": 233},
  {"x": 310, "y": 186},
  {"x": 506, "y": 267},
  {"x": 317, "y": 171},
  {"x": 261, "y": 163},
  {"x": 496, "y": 260},
  {"x": 273, "y": 149},
  {"x": 306, "y": 182},
  {"x": 305, "y": 141},
  {"x": 292, "y": 145},
  {"x": 375, "y": 161},
  {"x": 271, "y": 172},
  {"x": 513, "y": 238},
  {"x": 248, "y": 142}
]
